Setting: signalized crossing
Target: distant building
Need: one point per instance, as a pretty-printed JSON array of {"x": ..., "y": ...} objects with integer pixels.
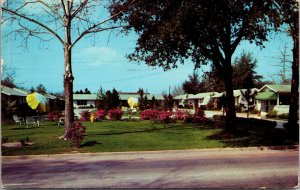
[
  {"x": 274, "y": 97},
  {"x": 89, "y": 100}
]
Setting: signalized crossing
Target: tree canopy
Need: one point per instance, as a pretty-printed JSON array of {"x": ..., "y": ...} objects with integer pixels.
[{"x": 170, "y": 32}]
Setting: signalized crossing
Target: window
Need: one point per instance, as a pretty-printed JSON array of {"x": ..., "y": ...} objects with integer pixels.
[{"x": 82, "y": 102}]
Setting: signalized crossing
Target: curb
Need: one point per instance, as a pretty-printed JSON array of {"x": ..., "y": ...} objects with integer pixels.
[{"x": 261, "y": 148}]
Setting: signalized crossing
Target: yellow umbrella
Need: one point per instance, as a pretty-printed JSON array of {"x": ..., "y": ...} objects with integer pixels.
[
  {"x": 36, "y": 100},
  {"x": 132, "y": 102}
]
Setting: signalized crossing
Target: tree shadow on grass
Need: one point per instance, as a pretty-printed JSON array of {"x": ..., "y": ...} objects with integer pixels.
[
  {"x": 150, "y": 129},
  {"x": 251, "y": 132},
  {"x": 90, "y": 143}
]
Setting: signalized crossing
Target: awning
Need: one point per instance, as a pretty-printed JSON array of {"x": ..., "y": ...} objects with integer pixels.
[{"x": 266, "y": 96}]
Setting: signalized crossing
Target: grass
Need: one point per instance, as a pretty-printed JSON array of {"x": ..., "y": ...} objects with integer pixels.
[{"x": 111, "y": 136}]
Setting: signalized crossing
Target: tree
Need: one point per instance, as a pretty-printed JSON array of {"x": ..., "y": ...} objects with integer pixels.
[
  {"x": 108, "y": 100},
  {"x": 290, "y": 16},
  {"x": 115, "y": 99},
  {"x": 68, "y": 21},
  {"x": 168, "y": 102},
  {"x": 87, "y": 91},
  {"x": 143, "y": 100},
  {"x": 177, "y": 90},
  {"x": 193, "y": 85},
  {"x": 244, "y": 75},
  {"x": 284, "y": 65},
  {"x": 170, "y": 32},
  {"x": 8, "y": 76},
  {"x": 41, "y": 89}
]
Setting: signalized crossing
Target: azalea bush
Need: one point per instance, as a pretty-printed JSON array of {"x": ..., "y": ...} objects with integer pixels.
[
  {"x": 54, "y": 115},
  {"x": 181, "y": 115},
  {"x": 77, "y": 133},
  {"x": 115, "y": 114},
  {"x": 165, "y": 117},
  {"x": 100, "y": 114},
  {"x": 85, "y": 116},
  {"x": 149, "y": 115}
]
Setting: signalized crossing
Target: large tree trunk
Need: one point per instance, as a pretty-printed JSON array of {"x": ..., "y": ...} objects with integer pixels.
[
  {"x": 229, "y": 99},
  {"x": 68, "y": 86},
  {"x": 292, "y": 125}
]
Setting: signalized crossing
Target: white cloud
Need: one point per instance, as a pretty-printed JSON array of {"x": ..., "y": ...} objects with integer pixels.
[{"x": 98, "y": 56}]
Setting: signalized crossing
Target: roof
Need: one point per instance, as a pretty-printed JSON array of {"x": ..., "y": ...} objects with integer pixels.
[
  {"x": 218, "y": 95},
  {"x": 122, "y": 96},
  {"x": 12, "y": 91},
  {"x": 201, "y": 95},
  {"x": 276, "y": 88},
  {"x": 84, "y": 96},
  {"x": 238, "y": 92},
  {"x": 266, "y": 96},
  {"x": 183, "y": 96},
  {"x": 49, "y": 96}
]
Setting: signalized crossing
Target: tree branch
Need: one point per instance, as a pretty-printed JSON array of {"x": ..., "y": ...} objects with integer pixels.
[
  {"x": 34, "y": 21},
  {"x": 82, "y": 5},
  {"x": 92, "y": 31},
  {"x": 87, "y": 31}
]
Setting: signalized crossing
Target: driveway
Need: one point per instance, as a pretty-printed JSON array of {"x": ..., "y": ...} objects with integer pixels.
[{"x": 208, "y": 168}]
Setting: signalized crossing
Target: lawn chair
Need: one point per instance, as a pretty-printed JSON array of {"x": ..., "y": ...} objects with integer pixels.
[
  {"x": 61, "y": 121},
  {"x": 18, "y": 120},
  {"x": 32, "y": 120}
]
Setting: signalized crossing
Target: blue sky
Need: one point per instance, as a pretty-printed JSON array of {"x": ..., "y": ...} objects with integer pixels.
[{"x": 101, "y": 61}]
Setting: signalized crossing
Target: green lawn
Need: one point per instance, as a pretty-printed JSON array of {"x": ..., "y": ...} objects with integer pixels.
[{"x": 111, "y": 136}]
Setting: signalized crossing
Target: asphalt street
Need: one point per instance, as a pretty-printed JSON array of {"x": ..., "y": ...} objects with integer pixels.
[{"x": 207, "y": 168}]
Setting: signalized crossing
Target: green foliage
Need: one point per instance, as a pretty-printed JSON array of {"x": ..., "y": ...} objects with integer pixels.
[
  {"x": 244, "y": 74},
  {"x": 168, "y": 102},
  {"x": 143, "y": 100},
  {"x": 108, "y": 100},
  {"x": 41, "y": 89},
  {"x": 193, "y": 85}
]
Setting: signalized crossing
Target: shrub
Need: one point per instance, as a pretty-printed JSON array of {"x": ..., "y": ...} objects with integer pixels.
[
  {"x": 77, "y": 132},
  {"x": 180, "y": 115},
  {"x": 149, "y": 115},
  {"x": 199, "y": 117},
  {"x": 283, "y": 116},
  {"x": 271, "y": 114},
  {"x": 100, "y": 114},
  {"x": 115, "y": 114},
  {"x": 54, "y": 115},
  {"x": 189, "y": 118},
  {"x": 85, "y": 116},
  {"x": 165, "y": 117}
]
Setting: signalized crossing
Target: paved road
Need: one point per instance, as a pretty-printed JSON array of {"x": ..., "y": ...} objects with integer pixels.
[{"x": 210, "y": 168}]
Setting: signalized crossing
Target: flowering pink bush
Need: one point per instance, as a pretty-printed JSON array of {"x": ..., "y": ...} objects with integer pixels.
[
  {"x": 85, "y": 116},
  {"x": 149, "y": 115},
  {"x": 165, "y": 117},
  {"x": 54, "y": 115},
  {"x": 199, "y": 117},
  {"x": 100, "y": 114},
  {"x": 115, "y": 114},
  {"x": 77, "y": 132},
  {"x": 181, "y": 115}
]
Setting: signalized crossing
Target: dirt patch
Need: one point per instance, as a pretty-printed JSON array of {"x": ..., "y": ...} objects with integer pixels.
[{"x": 15, "y": 144}]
